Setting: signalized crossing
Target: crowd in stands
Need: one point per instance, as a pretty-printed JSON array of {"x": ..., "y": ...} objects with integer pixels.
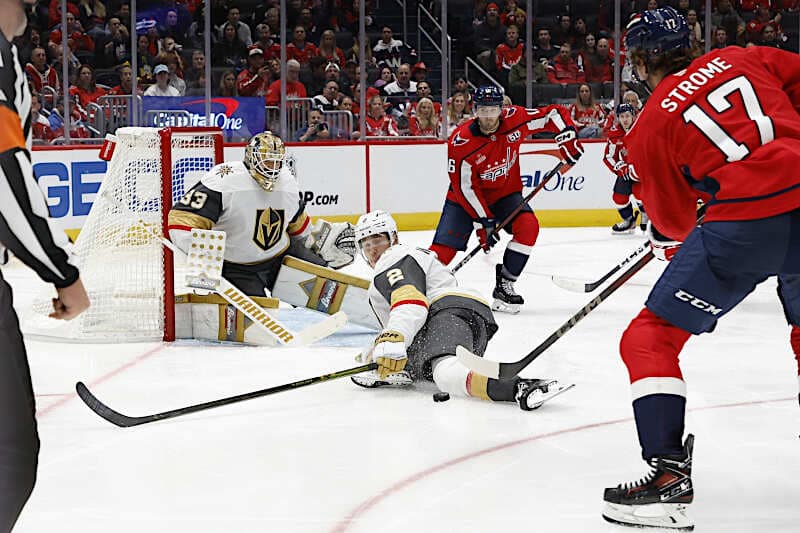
[{"x": 573, "y": 59}]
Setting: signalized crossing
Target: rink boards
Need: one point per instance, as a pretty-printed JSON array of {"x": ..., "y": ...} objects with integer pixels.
[{"x": 341, "y": 181}]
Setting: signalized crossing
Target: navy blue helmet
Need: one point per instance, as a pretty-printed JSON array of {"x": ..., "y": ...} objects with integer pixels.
[
  {"x": 488, "y": 95},
  {"x": 657, "y": 31},
  {"x": 626, "y": 108}
]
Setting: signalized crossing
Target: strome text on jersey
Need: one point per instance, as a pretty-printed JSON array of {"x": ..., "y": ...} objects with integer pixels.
[{"x": 693, "y": 82}]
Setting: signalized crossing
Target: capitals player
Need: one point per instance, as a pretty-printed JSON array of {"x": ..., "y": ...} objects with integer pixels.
[
  {"x": 728, "y": 128},
  {"x": 425, "y": 315},
  {"x": 256, "y": 202},
  {"x": 626, "y": 182},
  {"x": 485, "y": 184}
]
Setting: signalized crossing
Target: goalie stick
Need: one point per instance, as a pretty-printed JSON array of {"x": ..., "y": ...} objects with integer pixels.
[
  {"x": 574, "y": 285},
  {"x": 498, "y": 370},
  {"x": 256, "y": 314},
  {"x": 125, "y": 421},
  {"x": 511, "y": 215}
]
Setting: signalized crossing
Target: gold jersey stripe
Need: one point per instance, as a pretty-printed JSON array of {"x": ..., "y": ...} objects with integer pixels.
[
  {"x": 185, "y": 218},
  {"x": 325, "y": 272},
  {"x": 407, "y": 292},
  {"x": 294, "y": 227},
  {"x": 476, "y": 386}
]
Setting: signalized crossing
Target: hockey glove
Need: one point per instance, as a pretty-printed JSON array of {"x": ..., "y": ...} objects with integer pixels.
[
  {"x": 663, "y": 247},
  {"x": 389, "y": 353},
  {"x": 485, "y": 229},
  {"x": 626, "y": 172},
  {"x": 568, "y": 143}
]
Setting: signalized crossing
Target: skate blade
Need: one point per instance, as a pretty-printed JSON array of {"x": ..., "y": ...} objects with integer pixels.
[
  {"x": 504, "y": 307},
  {"x": 549, "y": 395},
  {"x": 657, "y": 515},
  {"x": 623, "y": 232}
]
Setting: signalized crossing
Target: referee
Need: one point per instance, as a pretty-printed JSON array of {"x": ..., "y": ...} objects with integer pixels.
[{"x": 26, "y": 231}]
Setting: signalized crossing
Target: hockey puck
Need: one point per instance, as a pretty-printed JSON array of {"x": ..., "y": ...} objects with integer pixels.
[{"x": 441, "y": 397}]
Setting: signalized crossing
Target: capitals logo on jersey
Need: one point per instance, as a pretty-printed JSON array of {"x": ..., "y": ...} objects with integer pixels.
[
  {"x": 496, "y": 171},
  {"x": 269, "y": 227}
]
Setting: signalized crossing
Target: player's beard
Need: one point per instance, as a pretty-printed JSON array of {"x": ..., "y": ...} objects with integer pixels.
[{"x": 491, "y": 127}]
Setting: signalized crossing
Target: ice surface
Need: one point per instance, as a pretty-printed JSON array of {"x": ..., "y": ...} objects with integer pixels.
[{"x": 336, "y": 457}]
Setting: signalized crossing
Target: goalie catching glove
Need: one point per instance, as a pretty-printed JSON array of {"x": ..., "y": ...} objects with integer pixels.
[{"x": 334, "y": 242}]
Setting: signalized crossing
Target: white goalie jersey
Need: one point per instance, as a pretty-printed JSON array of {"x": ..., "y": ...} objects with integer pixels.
[
  {"x": 258, "y": 224},
  {"x": 408, "y": 283}
]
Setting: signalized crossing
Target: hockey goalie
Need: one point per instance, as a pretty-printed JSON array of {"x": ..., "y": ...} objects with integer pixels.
[{"x": 256, "y": 202}]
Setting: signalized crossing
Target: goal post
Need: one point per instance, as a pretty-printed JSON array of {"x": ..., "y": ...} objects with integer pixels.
[{"x": 129, "y": 276}]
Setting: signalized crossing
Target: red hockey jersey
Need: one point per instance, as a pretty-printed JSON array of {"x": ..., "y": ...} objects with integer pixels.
[
  {"x": 615, "y": 152},
  {"x": 484, "y": 168},
  {"x": 726, "y": 129}
]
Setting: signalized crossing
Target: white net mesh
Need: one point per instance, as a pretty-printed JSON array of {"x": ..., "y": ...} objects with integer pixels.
[{"x": 121, "y": 262}]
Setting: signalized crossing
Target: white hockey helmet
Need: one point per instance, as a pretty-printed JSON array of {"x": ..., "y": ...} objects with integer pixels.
[
  {"x": 264, "y": 156},
  {"x": 376, "y": 223}
]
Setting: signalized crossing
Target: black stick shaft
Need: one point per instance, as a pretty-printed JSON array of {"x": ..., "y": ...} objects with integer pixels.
[
  {"x": 592, "y": 286},
  {"x": 513, "y": 214},
  {"x": 122, "y": 420},
  {"x": 509, "y": 370}
]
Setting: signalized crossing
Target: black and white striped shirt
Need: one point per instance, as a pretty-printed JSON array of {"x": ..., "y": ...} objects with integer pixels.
[{"x": 25, "y": 225}]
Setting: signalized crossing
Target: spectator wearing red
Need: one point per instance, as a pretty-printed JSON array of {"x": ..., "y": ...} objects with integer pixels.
[
  {"x": 599, "y": 66},
  {"x": 40, "y": 126},
  {"x": 419, "y": 72},
  {"x": 457, "y": 112},
  {"x": 125, "y": 86},
  {"x": 299, "y": 49},
  {"x": 294, "y": 87},
  {"x": 267, "y": 43},
  {"x": 425, "y": 122},
  {"x": 54, "y": 10},
  {"x": 512, "y": 14},
  {"x": 588, "y": 115},
  {"x": 40, "y": 73},
  {"x": 85, "y": 91},
  {"x": 256, "y": 78},
  {"x": 378, "y": 123},
  {"x": 424, "y": 91},
  {"x": 508, "y": 53},
  {"x": 564, "y": 69},
  {"x": 81, "y": 41},
  {"x": 763, "y": 18},
  {"x": 329, "y": 50}
]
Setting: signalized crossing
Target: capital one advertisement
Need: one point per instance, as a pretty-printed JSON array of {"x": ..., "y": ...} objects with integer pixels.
[{"x": 238, "y": 118}]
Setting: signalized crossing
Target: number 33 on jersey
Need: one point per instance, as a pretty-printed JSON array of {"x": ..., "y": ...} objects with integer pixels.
[{"x": 737, "y": 147}]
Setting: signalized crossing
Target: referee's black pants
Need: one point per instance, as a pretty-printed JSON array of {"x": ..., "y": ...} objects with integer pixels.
[{"x": 19, "y": 439}]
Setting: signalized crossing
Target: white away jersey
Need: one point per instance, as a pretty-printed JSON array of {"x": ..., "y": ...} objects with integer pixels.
[
  {"x": 407, "y": 282},
  {"x": 258, "y": 224}
]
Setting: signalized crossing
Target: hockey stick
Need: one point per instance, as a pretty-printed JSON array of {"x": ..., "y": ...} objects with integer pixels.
[
  {"x": 574, "y": 285},
  {"x": 498, "y": 370},
  {"x": 256, "y": 314},
  {"x": 125, "y": 421},
  {"x": 511, "y": 216}
]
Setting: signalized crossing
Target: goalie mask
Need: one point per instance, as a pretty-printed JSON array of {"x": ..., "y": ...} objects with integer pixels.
[
  {"x": 264, "y": 157},
  {"x": 371, "y": 224}
]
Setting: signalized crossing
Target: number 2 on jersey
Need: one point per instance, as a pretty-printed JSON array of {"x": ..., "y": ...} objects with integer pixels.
[{"x": 718, "y": 100}]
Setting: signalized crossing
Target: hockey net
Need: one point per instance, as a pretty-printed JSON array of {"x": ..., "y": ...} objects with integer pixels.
[{"x": 130, "y": 278}]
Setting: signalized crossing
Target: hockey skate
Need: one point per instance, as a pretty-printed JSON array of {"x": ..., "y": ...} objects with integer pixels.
[
  {"x": 505, "y": 297},
  {"x": 371, "y": 380},
  {"x": 532, "y": 393},
  {"x": 625, "y": 226},
  {"x": 643, "y": 222},
  {"x": 659, "y": 499}
]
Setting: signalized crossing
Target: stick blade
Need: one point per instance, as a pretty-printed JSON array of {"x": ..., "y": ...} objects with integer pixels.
[
  {"x": 102, "y": 410},
  {"x": 477, "y": 363},
  {"x": 322, "y": 329},
  {"x": 570, "y": 284}
]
